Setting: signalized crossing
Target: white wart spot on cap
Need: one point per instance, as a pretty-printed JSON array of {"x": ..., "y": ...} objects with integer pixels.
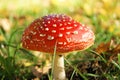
[
  {"x": 36, "y": 39},
  {"x": 34, "y": 27},
  {"x": 86, "y": 29},
  {"x": 34, "y": 33},
  {"x": 54, "y": 25},
  {"x": 68, "y": 27},
  {"x": 65, "y": 43},
  {"x": 75, "y": 25},
  {"x": 62, "y": 28},
  {"x": 63, "y": 20},
  {"x": 60, "y": 24},
  {"x": 42, "y": 35},
  {"x": 27, "y": 47},
  {"x": 81, "y": 28},
  {"x": 53, "y": 31},
  {"x": 69, "y": 39},
  {"x": 42, "y": 29},
  {"x": 27, "y": 37},
  {"x": 50, "y": 37},
  {"x": 75, "y": 32},
  {"x": 48, "y": 22},
  {"x": 67, "y": 32},
  {"x": 69, "y": 23},
  {"x": 31, "y": 41},
  {"x": 43, "y": 22},
  {"x": 60, "y": 43},
  {"x": 45, "y": 25},
  {"x": 46, "y": 29},
  {"x": 57, "y": 16},
  {"x": 60, "y": 35}
]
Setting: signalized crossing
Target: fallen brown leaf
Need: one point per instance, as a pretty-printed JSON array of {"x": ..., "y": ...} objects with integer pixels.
[
  {"x": 114, "y": 52},
  {"x": 103, "y": 47}
]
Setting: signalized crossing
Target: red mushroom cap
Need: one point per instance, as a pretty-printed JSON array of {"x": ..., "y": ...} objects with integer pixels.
[{"x": 60, "y": 30}]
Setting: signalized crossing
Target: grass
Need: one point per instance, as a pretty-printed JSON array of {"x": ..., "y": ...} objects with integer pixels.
[{"x": 100, "y": 62}]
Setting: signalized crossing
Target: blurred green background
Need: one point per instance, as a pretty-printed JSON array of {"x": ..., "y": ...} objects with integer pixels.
[
  {"x": 105, "y": 11},
  {"x": 102, "y": 16}
]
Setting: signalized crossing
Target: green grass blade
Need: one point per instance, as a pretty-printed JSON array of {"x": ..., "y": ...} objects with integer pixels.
[
  {"x": 119, "y": 59},
  {"x": 99, "y": 56},
  {"x": 71, "y": 78},
  {"x": 117, "y": 65},
  {"x": 54, "y": 54},
  {"x": 92, "y": 75},
  {"x": 75, "y": 68}
]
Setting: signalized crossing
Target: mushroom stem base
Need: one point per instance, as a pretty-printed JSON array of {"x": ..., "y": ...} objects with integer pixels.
[{"x": 59, "y": 71}]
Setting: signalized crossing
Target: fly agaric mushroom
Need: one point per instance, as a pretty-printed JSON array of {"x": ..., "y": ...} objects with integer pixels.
[{"x": 61, "y": 30}]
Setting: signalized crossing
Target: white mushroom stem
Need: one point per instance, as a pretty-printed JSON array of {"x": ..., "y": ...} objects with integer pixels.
[{"x": 59, "y": 71}]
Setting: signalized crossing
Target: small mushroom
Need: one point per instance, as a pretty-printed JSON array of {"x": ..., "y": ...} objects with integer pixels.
[{"x": 61, "y": 30}]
